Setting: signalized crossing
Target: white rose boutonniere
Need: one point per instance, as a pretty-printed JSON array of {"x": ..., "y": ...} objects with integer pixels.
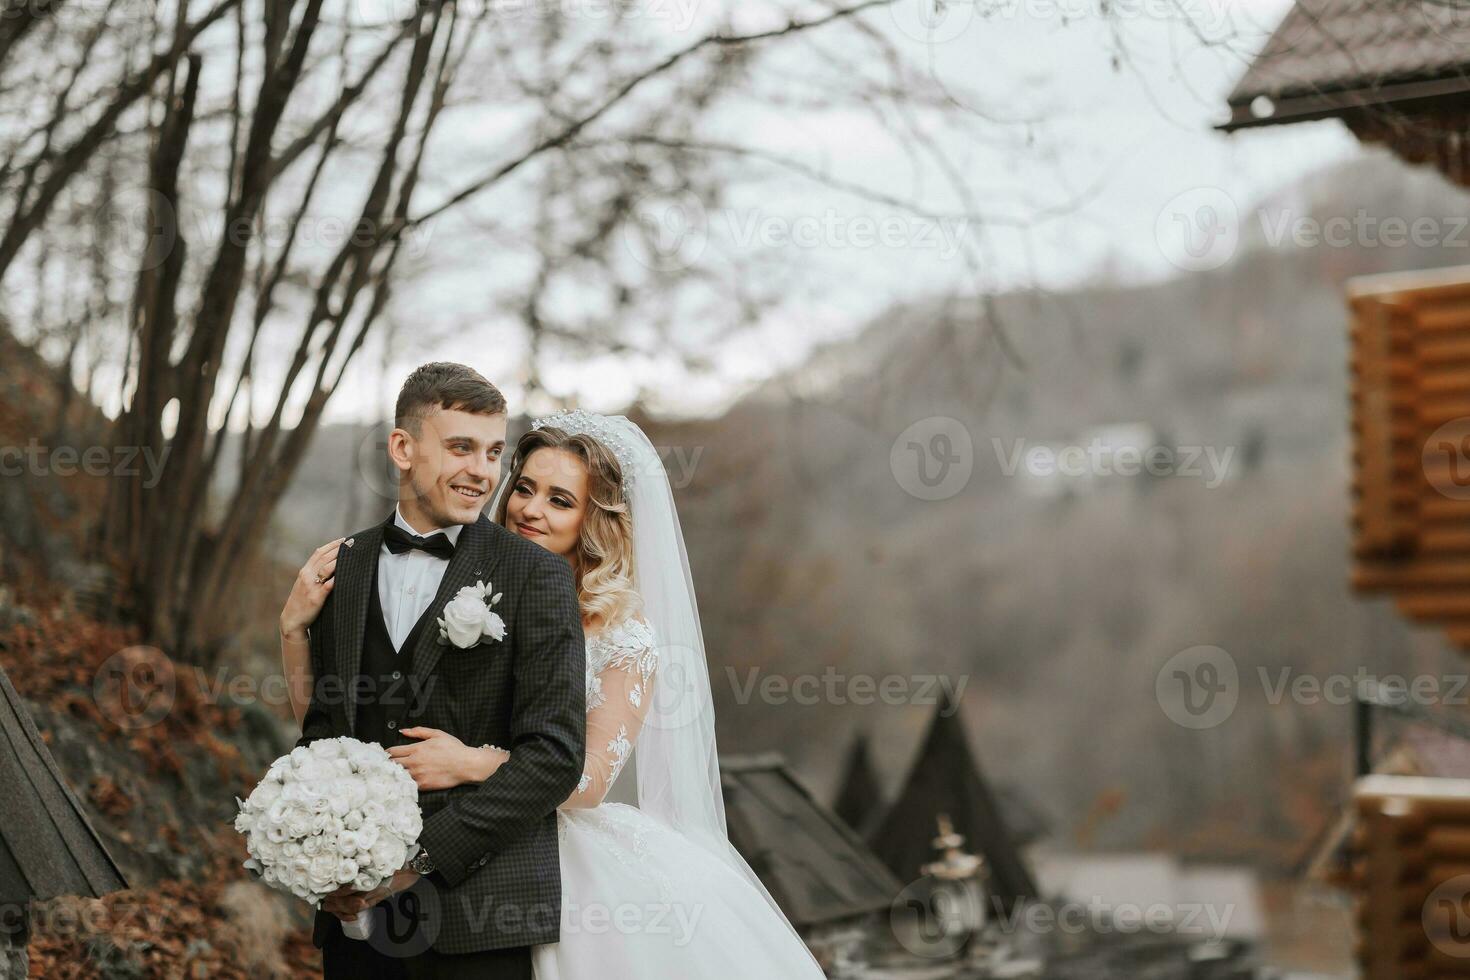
[{"x": 469, "y": 617}]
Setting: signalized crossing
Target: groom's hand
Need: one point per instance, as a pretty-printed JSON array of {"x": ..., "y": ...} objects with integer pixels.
[{"x": 345, "y": 902}]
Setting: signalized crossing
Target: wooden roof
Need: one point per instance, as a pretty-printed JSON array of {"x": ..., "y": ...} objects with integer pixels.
[
  {"x": 860, "y": 796},
  {"x": 946, "y": 778},
  {"x": 47, "y": 846},
  {"x": 1329, "y": 57},
  {"x": 813, "y": 864},
  {"x": 1410, "y": 396}
]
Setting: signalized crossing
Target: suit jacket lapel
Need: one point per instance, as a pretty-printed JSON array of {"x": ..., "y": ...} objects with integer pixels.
[
  {"x": 474, "y": 560},
  {"x": 355, "y": 567}
]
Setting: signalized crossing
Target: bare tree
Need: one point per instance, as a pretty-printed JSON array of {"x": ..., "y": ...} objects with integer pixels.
[{"x": 277, "y": 117}]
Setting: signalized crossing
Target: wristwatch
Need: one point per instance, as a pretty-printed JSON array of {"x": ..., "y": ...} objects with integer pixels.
[{"x": 421, "y": 862}]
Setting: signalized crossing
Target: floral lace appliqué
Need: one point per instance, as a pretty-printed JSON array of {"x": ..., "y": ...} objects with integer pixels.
[
  {"x": 627, "y": 646},
  {"x": 620, "y": 747}
]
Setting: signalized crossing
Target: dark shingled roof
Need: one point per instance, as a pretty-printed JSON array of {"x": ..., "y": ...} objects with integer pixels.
[
  {"x": 946, "y": 778},
  {"x": 47, "y": 847},
  {"x": 814, "y": 865},
  {"x": 1329, "y": 56},
  {"x": 860, "y": 798}
]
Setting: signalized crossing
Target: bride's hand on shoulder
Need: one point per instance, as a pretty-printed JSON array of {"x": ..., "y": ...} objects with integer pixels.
[
  {"x": 440, "y": 761},
  {"x": 310, "y": 590}
]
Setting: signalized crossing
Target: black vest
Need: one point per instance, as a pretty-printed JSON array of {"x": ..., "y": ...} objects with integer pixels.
[{"x": 384, "y": 685}]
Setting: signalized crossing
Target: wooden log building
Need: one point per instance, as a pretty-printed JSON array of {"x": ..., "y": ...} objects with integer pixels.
[{"x": 1394, "y": 72}]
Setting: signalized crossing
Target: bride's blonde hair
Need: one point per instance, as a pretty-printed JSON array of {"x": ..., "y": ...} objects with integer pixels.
[{"x": 603, "y": 558}]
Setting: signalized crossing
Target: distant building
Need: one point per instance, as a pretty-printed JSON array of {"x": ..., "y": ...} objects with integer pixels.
[
  {"x": 859, "y": 796},
  {"x": 946, "y": 779},
  {"x": 1394, "y": 73},
  {"x": 1199, "y": 902}
]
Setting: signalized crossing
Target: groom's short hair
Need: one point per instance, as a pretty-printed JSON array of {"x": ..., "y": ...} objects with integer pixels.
[{"x": 445, "y": 385}]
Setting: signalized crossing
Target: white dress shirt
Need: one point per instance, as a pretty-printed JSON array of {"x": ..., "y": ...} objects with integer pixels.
[{"x": 408, "y": 582}]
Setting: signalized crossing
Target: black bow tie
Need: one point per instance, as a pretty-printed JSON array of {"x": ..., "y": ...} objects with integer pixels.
[{"x": 398, "y": 541}]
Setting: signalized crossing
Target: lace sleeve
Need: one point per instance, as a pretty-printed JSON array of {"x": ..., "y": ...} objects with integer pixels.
[{"x": 618, "y": 699}]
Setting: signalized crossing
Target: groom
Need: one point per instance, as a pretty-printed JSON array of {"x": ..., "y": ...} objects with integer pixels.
[{"x": 486, "y": 885}]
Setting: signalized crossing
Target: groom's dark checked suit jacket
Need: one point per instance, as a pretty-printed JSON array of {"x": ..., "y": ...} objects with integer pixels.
[{"x": 494, "y": 844}]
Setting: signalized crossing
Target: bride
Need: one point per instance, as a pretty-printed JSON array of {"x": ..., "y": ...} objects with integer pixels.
[{"x": 653, "y": 889}]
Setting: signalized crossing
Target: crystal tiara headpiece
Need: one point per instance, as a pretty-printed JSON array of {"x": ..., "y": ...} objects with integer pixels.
[{"x": 579, "y": 421}]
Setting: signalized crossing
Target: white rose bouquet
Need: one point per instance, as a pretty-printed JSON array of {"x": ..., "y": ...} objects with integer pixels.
[{"x": 333, "y": 813}]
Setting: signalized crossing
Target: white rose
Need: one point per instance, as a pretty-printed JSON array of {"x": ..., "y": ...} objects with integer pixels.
[
  {"x": 322, "y": 872},
  {"x": 346, "y": 869},
  {"x": 300, "y": 756},
  {"x": 354, "y": 791},
  {"x": 297, "y": 822},
  {"x": 388, "y": 853},
  {"x": 464, "y": 619},
  {"x": 364, "y": 754},
  {"x": 339, "y": 802},
  {"x": 405, "y": 821},
  {"x": 265, "y": 794},
  {"x": 328, "y": 748},
  {"x": 494, "y": 626},
  {"x": 367, "y": 836}
]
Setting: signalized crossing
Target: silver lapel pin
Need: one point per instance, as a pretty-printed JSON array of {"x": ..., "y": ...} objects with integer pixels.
[{"x": 349, "y": 541}]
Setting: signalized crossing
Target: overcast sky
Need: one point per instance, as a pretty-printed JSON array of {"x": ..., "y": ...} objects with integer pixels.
[{"x": 1100, "y": 128}]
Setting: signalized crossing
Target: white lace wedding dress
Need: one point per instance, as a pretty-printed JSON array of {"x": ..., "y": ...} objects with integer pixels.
[{"x": 639, "y": 899}]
